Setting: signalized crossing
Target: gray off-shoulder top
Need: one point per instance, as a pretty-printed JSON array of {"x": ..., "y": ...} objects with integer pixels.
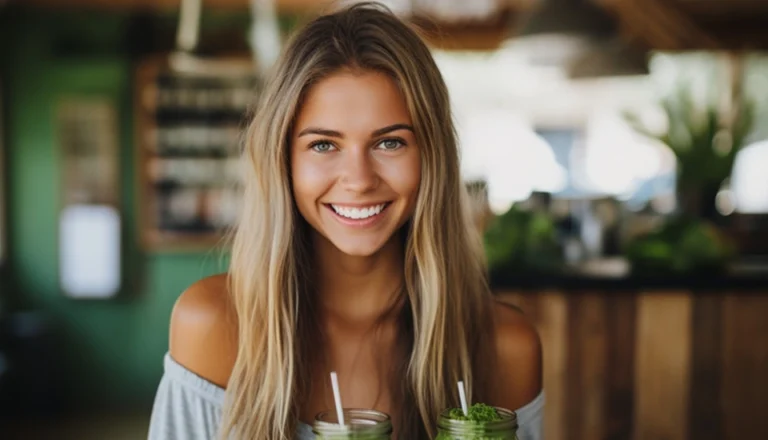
[{"x": 188, "y": 407}]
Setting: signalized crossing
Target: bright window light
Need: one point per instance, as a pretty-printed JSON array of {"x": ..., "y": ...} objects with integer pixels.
[
  {"x": 617, "y": 160},
  {"x": 749, "y": 180},
  {"x": 89, "y": 251},
  {"x": 514, "y": 161}
]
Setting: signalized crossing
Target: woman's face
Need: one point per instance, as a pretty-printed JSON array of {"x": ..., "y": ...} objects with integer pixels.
[{"x": 354, "y": 160}]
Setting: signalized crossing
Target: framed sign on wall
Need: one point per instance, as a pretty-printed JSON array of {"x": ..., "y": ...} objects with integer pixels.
[{"x": 89, "y": 219}]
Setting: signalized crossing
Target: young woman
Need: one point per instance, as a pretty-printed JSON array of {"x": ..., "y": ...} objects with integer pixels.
[{"x": 355, "y": 253}]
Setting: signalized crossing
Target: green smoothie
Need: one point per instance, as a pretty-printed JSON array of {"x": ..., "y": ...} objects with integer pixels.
[{"x": 482, "y": 422}]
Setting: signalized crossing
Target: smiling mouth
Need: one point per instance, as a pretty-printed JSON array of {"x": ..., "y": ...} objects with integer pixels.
[{"x": 358, "y": 213}]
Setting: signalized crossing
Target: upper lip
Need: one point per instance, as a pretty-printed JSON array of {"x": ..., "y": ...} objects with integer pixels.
[{"x": 358, "y": 205}]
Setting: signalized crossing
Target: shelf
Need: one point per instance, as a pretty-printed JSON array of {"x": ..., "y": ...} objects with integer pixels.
[{"x": 187, "y": 173}]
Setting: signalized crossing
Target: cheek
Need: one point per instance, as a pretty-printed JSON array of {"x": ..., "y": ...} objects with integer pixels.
[
  {"x": 308, "y": 181},
  {"x": 405, "y": 179}
]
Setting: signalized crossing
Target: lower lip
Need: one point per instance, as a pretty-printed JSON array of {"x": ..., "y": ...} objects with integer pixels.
[{"x": 358, "y": 223}]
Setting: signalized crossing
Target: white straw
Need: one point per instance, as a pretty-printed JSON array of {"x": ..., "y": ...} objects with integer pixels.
[
  {"x": 463, "y": 398},
  {"x": 337, "y": 397}
]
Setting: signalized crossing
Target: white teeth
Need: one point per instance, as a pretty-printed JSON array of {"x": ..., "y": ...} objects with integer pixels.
[{"x": 358, "y": 213}]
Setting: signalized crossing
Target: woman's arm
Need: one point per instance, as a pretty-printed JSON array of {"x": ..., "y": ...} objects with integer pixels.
[
  {"x": 203, "y": 335},
  {"x": 203, "y": 346},
  {"x": 518, "y": 373}
]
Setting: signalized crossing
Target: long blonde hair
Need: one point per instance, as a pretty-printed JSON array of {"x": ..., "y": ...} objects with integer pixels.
[{"x": 446, "y": 294}]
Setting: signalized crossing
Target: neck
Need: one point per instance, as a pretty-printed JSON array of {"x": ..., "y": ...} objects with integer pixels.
[{"x": 358, "y": 292}]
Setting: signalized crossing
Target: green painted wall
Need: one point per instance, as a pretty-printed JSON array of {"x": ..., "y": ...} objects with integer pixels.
[{"x": 111, "y": 350}]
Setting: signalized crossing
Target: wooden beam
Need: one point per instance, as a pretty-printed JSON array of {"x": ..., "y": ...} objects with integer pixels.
[
  {"x": 588, "y": 336},
  {"x": 744, "y": 386},
  {"x": 481, "y": 36},
  {"x": 704, "y": 417},
  {"x": 663, "y": 365},
  {"x": 661, "y": 25},
  {"x": 717, "y": 8},
  {"x": 282, "y": 5},
  {"x": 621, "y": 314}
]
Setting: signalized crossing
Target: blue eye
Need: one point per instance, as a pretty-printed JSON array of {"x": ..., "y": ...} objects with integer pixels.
[
  {"x": 391, "y": 144},
  {"x": 322, "y": 146}
]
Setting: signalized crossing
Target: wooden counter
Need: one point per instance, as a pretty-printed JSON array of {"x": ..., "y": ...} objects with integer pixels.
[{"x": 652, "y": 364}]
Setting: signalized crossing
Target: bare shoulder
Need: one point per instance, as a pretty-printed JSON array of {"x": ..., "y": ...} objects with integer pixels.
[
  {"x": 519, "y": 360},
  {"x": 203, "y": 335}
]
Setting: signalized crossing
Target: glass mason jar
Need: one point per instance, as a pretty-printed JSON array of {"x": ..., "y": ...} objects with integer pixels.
[
  {"x": 504, "y": 429},
  {"x": 361, "y": 424}
]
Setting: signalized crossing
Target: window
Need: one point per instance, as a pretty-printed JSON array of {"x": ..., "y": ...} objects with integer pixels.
[{"x": 749, "y": 181}]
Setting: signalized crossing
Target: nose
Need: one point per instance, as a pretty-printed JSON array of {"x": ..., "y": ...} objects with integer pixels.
[{"x": 358, "y": 171}]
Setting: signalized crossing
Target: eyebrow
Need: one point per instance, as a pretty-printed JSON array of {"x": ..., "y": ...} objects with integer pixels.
[{"x": 333, "y": 133}]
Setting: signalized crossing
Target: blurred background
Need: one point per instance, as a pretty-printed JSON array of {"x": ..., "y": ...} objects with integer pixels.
[{"x": 617, "y": 152}]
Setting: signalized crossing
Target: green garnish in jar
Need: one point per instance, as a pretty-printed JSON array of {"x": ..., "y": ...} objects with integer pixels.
[
  {"x": 478, "y": 412},
  {"x": 482, "y": 422}
]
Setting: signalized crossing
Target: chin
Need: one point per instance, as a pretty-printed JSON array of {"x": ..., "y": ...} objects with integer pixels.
[{"x": 358, "y": 249}]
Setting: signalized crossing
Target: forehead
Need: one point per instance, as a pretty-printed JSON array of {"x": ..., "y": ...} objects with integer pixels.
[{"x": 349, "y": 100}]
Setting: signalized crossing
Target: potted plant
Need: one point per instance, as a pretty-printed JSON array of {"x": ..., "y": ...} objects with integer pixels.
[
  {"x": 522, "y": 242},
  {"x": 705, "y": 139}
]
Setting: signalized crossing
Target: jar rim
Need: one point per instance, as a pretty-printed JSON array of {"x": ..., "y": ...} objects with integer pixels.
[{"x": 358, "y": 420}]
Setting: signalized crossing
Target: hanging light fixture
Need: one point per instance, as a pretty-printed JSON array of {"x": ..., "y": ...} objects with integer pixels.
[
  {"x": 611, "y": 58},
  {"x": 188, "y": 31},
  {"x": 581, "y": 37},
  {"x": 185, "y": 60},
  {"x": 265, "y": 33},
  {"x": 557, "y": 31},
  {"x": 445, "y": 11},
  {"x": 572, "y": 18}
]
